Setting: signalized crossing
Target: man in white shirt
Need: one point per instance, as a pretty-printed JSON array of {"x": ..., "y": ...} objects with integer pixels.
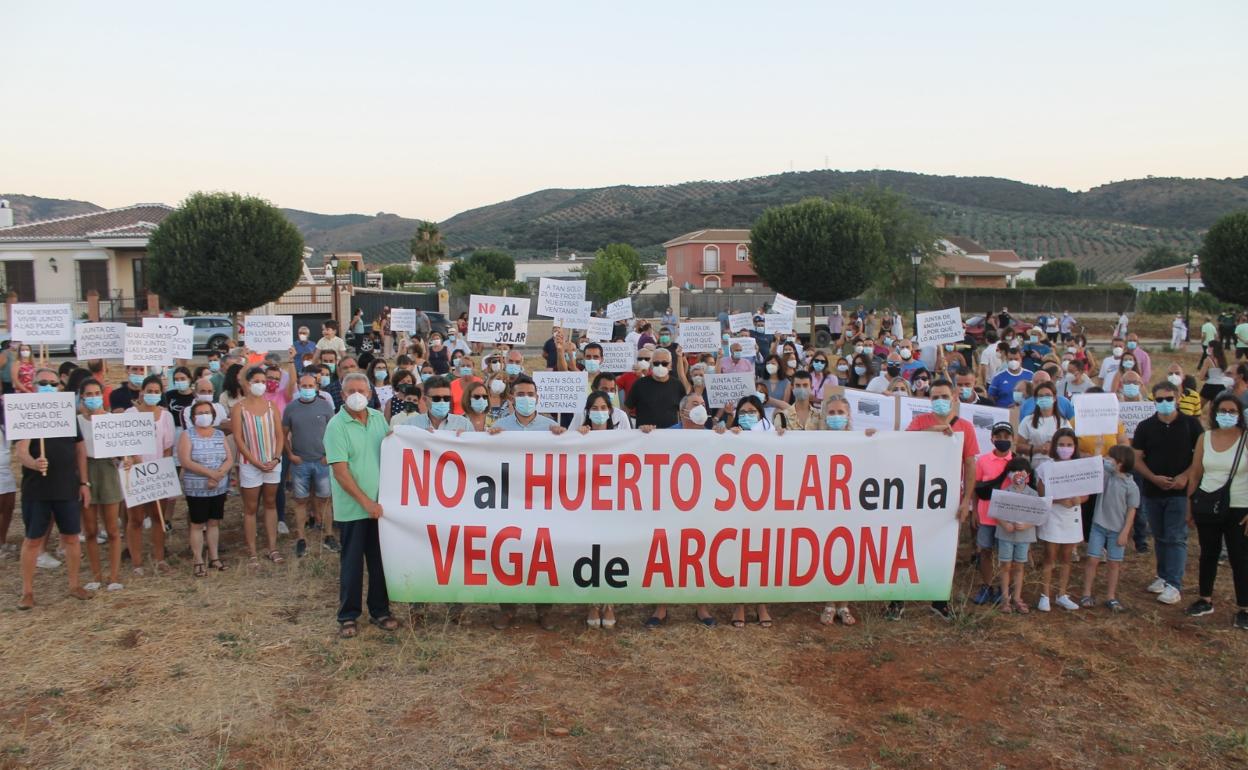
[{"x": 1109, "y": 367}]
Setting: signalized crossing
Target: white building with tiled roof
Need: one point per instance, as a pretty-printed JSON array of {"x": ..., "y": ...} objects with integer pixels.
[{"x": 1172, "y": 278}]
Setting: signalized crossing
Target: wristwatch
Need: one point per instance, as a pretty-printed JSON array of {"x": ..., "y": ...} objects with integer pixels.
[{"x": 85, "y": 484}]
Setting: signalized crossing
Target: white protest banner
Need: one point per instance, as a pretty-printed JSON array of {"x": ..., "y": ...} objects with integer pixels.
[
  {"x": 40, "y": 415},
  {"x": 149, "y": 481},
  {"x": 562, "y": 392},
  {"x": 784, "y": 306},
  {"x": 37, "y": 323},
  {"x": 498, "y": 320},
  {"x": 910, "y": 407},
  {"x": 982, "y": 418},
  {"x": 599, "y": 329},
  {"x": 749, "y": 346},
  {"x": 699, "y": 337},
  {"x": 618, "y": 357},
  {"x": 871, "y": 410},
  {"x": 1073, "y": 478},
  {"x": 100, "y": 340},
  {"x": 147, "y": 347},
  {"x": 560, "y": 299},
  {"x": 1096, "y": 414},
  {"x": 774, "y": 323},
  {"x": 1132, "y": 413},
  {"x": 579, "y": 320},
  {"x": 119, "y": 435},
  {"x": 614, "y": 517},
  {"x": 940, "y": 326},
  {"x": 739, "y": 321},
  {"x": 403, "y": 319},
  {"x": 181, "y": 336},
  {"x": 1018, "y": 508},
  {"x": 621, "y": 309},
  {"x": 726, "y": 389},
  {"x": 268, "y": 332}
]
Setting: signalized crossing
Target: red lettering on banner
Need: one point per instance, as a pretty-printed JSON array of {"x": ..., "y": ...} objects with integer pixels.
[
  {"x": 543, "y": 558},
  {"x": 659, "y": 562},
  {"x": 803, "y": 536},
  {"x": 461, "y": 476},
  {"x": 726, "y": 482},
  {"x": 839, "y": 482},
  {"x": 763, "y": 487},
  {"x": 442, "y": 559},
  {"x": 904, "y": 557},
  {"x": 541, "y": 480},
  {"x": 571, "y": 503},
  {"x": 779, "y": 558},
  {"x": 656, "y": 463},
  {"x": 717, "y": 577},
  {"x": 810, "y": 485},
  {"x": 690, "y": 462},
  {"x": 781, "y": 503},
  {"x": 601, "y": 483},
  {"x": 471, "y": 555},
  {"x": 514, "y": 577},
  {"x": 753, "y": 556},
  {"x": 831, "y": 575},
  {"x": 691, "y": 558},
  {"x": 414, "y": 478},
  {"x": 630, "y": 472},
  {"x": 873, "y": 555}
]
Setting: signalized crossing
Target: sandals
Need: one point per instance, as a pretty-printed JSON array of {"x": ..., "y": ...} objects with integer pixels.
[
  {"x": 387, "y": 623},
  {"x": 829, "y": 615},
  {"x": 26, "y": 602},
  {"x": 218, "y": 565},
  {"x": 161, "y": 568},
  {"x": 200, "y": 570},
  {"x": 845, "y": 616},
  {"x": 276, "y": 558},
  {"x": 348, "y": 629},
  {"x": 1021, "y": 607}
]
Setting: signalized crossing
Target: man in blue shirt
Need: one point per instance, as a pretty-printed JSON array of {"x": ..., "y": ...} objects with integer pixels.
[
  {"x": 304, "y": 350},
  {"x": 1001, "y": 389}
]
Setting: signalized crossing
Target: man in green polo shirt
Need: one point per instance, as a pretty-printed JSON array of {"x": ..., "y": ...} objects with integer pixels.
[{"x": 353, "y": 450}]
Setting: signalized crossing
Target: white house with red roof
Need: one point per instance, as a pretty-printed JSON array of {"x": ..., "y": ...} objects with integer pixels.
[
  {"x": 1007, "y": 261},
  {"x": 1172, "y": 278}
]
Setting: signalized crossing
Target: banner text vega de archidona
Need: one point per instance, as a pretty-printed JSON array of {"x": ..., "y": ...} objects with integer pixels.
[{"x": 671, "y": 516}]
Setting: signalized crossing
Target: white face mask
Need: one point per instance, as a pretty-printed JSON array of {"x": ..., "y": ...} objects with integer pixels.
[
  {"x": 1175, "y": 379},
  {"x": 257, "y": 388},
  {"x": 357, "y": 402},
  {"x": 497, "y": 386},
  {"x": 1014, "y": 365},
  {"x": 698, "y": 414},
  {"x": 1118, "y": 352},
  {"x": 202, "y": 397},
  {"x": 772, "y": 368},
  {"x": 906, "y": 354},
  {"x": 659, "y": 370},
  {"x": 303, "y": 338},
  {"x": 203, "y": 420}
]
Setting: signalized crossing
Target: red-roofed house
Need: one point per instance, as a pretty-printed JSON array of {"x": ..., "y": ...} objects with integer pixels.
[
  {"x": 1166, "y": 279},
  {"x": 712, "y": 259},
  {"x": 1024, "y": 269}
]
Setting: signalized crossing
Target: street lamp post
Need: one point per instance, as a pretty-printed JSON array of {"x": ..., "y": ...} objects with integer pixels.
[
  {"x": 1190, "y": 269},
  {"x": 916, "y": 259},
  {"x": 333, "y": 308}
]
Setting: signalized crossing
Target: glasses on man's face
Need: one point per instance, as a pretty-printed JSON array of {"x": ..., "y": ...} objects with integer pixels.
[
  {"x": 440, "y": 399},
  {"x": 1165, "y": 400},
  {"x": 46, "y": 383}
]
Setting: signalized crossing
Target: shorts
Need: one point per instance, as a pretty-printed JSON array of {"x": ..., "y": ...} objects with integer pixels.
[
  {"x": 1103, "y": 544},
  {"x": 105, "y": 481},
  {"x": 986, "y": 536},
  {"x": 310, "y": 476},
  {"x": 37, "y": 516},
  {"x": 250, "y": 477},
  {"x": 1010, "y": 552},
  {"x": 201, "y": 509},
  {"x": 8, "y": 483}
]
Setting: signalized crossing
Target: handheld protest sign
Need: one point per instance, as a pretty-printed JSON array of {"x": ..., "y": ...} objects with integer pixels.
[
  {"x": 38, "y": 323},
  {"x": 940, "y": 326},
  {"x": 498, "y": 320},
  {"x": 149, "y": 481},
  {"x": 560, "y": 299},
  {"x": 40, "y": 415},
  {"x": 123, "y": 435},
  {"x": 562, "y": 392},
  {"x": 268, "y": 332}
]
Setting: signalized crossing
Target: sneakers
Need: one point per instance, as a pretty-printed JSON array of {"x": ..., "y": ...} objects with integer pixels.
[
  {"x": 1087, "y": 602},
  {"x": 1241, "y": 620},
  {"x": 330, "y": 544},
  {"x": 981, "y": 596},
  {"x": 1199, "y": 608},
  {"x": 1066, "y": 603},
  {"x": 894, "y": 611},
  {"x": 1157, "y": 586},
  {"x": 114, "y": 587},
  {"x": 147, "y": 523},
  {"x": 941, "y": 610},
  {"x": 47, "y": 561},
  {"x": 301, "y": 548},
  {"x": 101, "y": 537},
  {"x": 994, "y": 596},
  {"x": 1043, "y": 604},
  {"x": 1115, "y": 606},
  {"x": 94, "y": 585},
  {"x": 1169, "y": 595},
  {"x": 282, "y": 529}
]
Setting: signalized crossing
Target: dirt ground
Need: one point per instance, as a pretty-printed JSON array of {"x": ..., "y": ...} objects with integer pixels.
[{"x": 242, "y": 669}]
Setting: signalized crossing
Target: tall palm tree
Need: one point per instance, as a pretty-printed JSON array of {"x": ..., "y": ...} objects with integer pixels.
[{"x": 427, "y": 245}]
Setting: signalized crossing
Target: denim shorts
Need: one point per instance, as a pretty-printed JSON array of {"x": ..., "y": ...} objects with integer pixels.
[
  {"x": 37, "y": 516},
  {"x": 986, "y": 536},
  {"x": 1009, "y": 551},
  {"x": 1101, "y": 541},
  {"x": 310, "y": 476}
]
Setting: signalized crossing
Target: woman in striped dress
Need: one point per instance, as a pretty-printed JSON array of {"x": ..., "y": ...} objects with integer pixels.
[{"x": 258, "y": 430}]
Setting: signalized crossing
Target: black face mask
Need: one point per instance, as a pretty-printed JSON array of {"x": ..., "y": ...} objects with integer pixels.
[
  {"x": 1002, "y": 444},
  {"x": 893, "y": 370}
]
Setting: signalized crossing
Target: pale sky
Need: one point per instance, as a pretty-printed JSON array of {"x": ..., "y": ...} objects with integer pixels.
[{"x": 428, "y": 111}]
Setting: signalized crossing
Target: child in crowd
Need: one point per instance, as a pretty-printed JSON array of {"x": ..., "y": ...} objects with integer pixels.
[
  {"x": 989, "y": 475},
  {"x": 1111, "y": 524},
  {"x": 1014, "y": 539},
  {"x": 1064, "y": 528}
]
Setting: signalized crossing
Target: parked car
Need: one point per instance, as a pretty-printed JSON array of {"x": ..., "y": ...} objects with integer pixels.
[
  {"x": 54, "y": 348},
  {"x": 211, "y": 330},
  {"x": 975, "y": 327}
]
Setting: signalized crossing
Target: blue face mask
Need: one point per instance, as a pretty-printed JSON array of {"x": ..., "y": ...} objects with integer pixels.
[
  {"x": 151, "y": 399},
  {"x": 526, "y": 405},
  {"x": 759, "y": 396},
  {"x": 379, "y": 375},
  {"x": 1226, "y": 420},
  {"x": 512, "y": 369},
  {"x": 747, "y": 421},
  {"x": 181, "y": 385},
  {"x": 599, "y": 417},
  {"x": 45, "y": 388},
  {"x": 592, "y": 365},
  {"x": 324, "y": 380},
  {"x": 1044, "y": 402},
  {"x": 860, "y": 370},
  {"x": 819, "y": 366},
  {"x": 1018, "y": 396},
  {"x": 214, "y": 366},
  {"x": 968, "y": 394},
  {"x": 1166, "y": 407},
  {"x": 307, "y": 394},
  {"x": 137, "y": 380},
  {"x": 1130, "y": 390},
  {"x": 94, "y": 403},
  {"x": 941, "y": 406},
  {"x": 837, "y": 421},
  {"x": 479, "y": 405},
  {"x": 465, "y": 371},
  {"x": 424, "y": 376},
  {"x": 736, "y": 355},
  {"x": 440, "y": 409},
  {"x": 1132, "y": 345}
]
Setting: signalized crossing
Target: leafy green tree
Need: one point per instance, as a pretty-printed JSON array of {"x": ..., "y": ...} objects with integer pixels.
[
  {"x": 427, "y": 246},
  {"x": 497, "y": 263},
  {"x": 397, "y": 275},
  {"x": 1059, "y": 272},
  {"x": 1157, "y": 258},
  {"x": 627, "y": 256},
  {"x": 817, "y": 250},
  {"x": 473, "y": 279},
  {"x": 1224, "y": 258},
  {"x": 224, "y": 252},
  {"x": 606, "y": 278},
  {"x": 427, "y": 274},
  {"x": 904, "y": 230}
]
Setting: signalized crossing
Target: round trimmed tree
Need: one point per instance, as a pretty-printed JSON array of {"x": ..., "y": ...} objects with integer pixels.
[
  {"x": 224, "y": 252},
  {"x": 1224, "y": 259},
  {"x": 1059, "y": 272},
  {"x": 817, "y": 250}
]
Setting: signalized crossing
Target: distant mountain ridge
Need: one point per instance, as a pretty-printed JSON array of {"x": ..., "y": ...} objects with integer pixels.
[{"x": 1106, "y": 228}]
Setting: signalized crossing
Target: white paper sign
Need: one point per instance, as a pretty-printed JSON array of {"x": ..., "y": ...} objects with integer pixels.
[
  {"x": 940, "y": 326},
  {"x": 403, "y": 319},
  {"x": 599, "y": 329},
  {"x": 739, "y": 321},
  {"x": 562, "y": 392},
  {"x": 560, "y": 299},
  {"x": 784, "y": 306},
  {"x": 39, "y": 415},
  {"x": 147, "y": 347},
  {"x": 1096, "y": 414},
  {"x": 774, "y": 323},
  {"x": 725, "y": 389},
  {"x": 37, "y": 323},
  {"x": 580, "y": 320},
  {"x": 1019, "y": 509},
  {"x": 101, "y": 340},
  {"x": 148, "y": 481},
  {"x": 181, "y": 336},
  {"x": 1073, "y": 478},
  {"x": 621, "y": 309},
  {"x": 498, "y": 320},
  {"x": 618, "y": 357},
  {"x": 699, "y": 337},
  {"x": 910, "y": 407},
  {"x": 1132, "y": 413},
  {"x": 982, "y": 418},
  {"x": 871, "y": 410},
  {"x": 268, "y": 332},
  {"x": 118, "y": 435}
]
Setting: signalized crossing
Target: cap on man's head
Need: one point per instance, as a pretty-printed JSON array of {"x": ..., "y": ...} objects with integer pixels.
[{"x": 1002, "y": 427}]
